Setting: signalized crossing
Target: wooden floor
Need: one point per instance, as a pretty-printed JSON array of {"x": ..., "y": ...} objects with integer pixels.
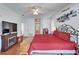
[
  {"x": 24, "y": 46},
  {"x": 19, "y": 48},
  {"x": 12, "y": 51}
]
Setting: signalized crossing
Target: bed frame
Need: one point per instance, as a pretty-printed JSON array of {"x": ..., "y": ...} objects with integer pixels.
[
  {"x": 69, "y": 29},
  {"x": 53, "y": 52}
]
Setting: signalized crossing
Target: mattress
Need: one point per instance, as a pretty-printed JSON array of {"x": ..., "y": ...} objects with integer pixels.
[{"x": 50, "y": 42}]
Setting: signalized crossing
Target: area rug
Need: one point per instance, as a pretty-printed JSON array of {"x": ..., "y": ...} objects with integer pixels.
[{"x": 24, "y": 46}]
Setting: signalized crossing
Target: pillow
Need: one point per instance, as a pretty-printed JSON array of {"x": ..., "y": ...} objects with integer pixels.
[
  {"x": 62, "y": 35},
  {"x": 53, "y": 31},
  {"x": 73, "y": 38}
]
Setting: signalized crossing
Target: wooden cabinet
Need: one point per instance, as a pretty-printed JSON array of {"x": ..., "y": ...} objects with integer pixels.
[
  {"x": 9, "y": 35},
  {"x": 8, "y": 40}
]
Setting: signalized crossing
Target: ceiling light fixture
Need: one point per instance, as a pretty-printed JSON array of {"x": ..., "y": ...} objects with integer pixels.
[{"x": 35, "y": 10}]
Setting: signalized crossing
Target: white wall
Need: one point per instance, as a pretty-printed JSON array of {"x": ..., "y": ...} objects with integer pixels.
[
  {"x": 29, "y": 26},
  {"x": 53, "y": 26},
  {"x": 74, "y": 21},
  {"x": 45, "y": 23},
  {"x": 8, "y": 15}
]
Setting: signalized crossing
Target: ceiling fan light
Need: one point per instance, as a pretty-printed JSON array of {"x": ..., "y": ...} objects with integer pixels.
[{"x": 35, "y": 13}]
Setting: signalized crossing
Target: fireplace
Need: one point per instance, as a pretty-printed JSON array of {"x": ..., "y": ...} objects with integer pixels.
[{"x": 11, "y": 41}]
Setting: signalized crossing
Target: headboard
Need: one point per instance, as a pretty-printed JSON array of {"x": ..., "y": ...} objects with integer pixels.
[{"x": 69, "y": 29}]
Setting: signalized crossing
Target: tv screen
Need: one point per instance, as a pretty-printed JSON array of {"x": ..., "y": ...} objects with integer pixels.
[
  {"x": 8, "y": 27},
  {"x": 5, "y": 31}
]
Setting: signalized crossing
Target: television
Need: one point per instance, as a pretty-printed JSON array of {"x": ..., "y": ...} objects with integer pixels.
[
  {"x": 5, "y": 30},
  {"x": 8, "y": 27}
]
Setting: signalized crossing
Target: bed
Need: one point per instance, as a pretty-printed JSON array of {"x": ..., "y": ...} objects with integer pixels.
[{"x": 51, "y": 44}]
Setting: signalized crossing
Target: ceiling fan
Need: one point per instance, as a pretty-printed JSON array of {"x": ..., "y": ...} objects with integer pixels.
[{"x": 35, "y": 10}]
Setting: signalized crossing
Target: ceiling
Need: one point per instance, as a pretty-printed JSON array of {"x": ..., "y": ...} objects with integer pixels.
[{"x": 45, "y": 8}]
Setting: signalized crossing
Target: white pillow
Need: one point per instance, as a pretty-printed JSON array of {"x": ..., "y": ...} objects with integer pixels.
[{"x": 73, "y": 38}]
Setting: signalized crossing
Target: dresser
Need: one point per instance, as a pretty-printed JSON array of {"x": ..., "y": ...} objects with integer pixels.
[{"x": 8, "y": 40}]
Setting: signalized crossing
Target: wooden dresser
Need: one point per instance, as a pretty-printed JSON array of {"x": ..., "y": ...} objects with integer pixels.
[
  {"x": 8, "y": 40},
  {"x": 14, "y": 50}
]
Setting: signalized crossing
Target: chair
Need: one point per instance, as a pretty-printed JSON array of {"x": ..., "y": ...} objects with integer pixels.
[{"x": 45, "y": 31}]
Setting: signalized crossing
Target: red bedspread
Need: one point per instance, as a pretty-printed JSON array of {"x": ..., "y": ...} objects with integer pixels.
[{"x": 50, "y": 42}]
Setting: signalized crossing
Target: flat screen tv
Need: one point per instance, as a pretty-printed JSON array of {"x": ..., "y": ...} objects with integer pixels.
[
  {"x": 5, "y": 30},
  {"x": 8, "y": 27}
]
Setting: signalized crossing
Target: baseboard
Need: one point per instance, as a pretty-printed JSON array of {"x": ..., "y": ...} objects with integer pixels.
[
  {"x": 28, "y": 36},
  {"x": 25, "y": 36}
]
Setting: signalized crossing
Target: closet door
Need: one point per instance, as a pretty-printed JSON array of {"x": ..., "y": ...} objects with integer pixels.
[{"x": 37, "y": 26}]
